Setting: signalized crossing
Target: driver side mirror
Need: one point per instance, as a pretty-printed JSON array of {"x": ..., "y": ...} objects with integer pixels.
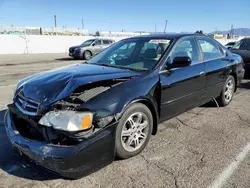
[
  {"x": 229, "y": 47},
  {"x": 178, "y": 62}
]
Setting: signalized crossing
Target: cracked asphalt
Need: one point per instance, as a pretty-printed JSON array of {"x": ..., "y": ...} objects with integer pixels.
[{"x": 189, "y": 151}]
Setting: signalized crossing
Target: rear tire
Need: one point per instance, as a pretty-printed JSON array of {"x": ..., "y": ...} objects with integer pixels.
[
  {"x": 227, "y": 92},
  {"x": 133, "y": 131},
  {"x": 87, "y": 55}
]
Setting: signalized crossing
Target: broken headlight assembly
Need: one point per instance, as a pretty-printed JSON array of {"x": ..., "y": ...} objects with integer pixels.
[{"x": 67, "y": 120}]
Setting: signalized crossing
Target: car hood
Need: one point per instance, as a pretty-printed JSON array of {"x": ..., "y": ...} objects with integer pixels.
[
  {"x": 78, "y": 46},
  {"x": 52, "y": 86}
]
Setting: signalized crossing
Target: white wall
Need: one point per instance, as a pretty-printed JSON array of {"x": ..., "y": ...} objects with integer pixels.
[
  {"x": 14, "y": 44},
  {"x": 225, "y": 41}
]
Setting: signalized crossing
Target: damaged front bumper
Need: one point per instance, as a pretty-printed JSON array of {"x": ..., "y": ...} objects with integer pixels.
[{"x": 69, "y": 161}]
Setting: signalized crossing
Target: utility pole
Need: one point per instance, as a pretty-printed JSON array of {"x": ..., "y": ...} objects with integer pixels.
[
  {"x": 82, "y": 24},
  {"x": 55, "y": 20},
  {"x": 166, "y": 23},
  {"x": 232, "y": 31}
]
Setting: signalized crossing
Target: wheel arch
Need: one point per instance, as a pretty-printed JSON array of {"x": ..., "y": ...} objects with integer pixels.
[
  {"x": 153, "y": 109},
  {"x": 88, "y": 51},
  {"x": 235, "y": 78},
  {"x": 233, "y": 73}
]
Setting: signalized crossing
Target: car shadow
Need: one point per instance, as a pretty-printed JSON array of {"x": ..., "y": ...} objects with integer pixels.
[
  {"x": 247, "y": 75},
  {"x": 18, "y": 165},
  {"x": 210, "y": 104},
  {"x": 67, "y": 59},
  {"x": 245, "y": 85}
]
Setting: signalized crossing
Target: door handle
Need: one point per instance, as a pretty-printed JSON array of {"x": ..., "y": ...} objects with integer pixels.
[{"x": 202, "y": 73}]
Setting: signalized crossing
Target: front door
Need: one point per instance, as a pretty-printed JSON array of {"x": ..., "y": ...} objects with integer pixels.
[
  {"x": 182, "y": 88},
  {"x": 97, "y": 46}
]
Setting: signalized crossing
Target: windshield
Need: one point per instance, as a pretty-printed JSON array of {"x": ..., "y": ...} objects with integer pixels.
[
  {"x": 137, "y": 54},
  {"x": 87, "y": 42},
  {"x": 242, "y": 45}
]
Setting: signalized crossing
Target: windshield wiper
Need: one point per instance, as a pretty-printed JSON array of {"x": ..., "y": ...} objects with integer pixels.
[{"x": 119, "y": 67}]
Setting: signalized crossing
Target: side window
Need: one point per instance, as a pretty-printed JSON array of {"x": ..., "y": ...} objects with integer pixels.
[
  {"x": 98, "y": 42},
  {"x": 187, "y": 47},
  {"x": 105, "y": 42},
  {"x": 245, "y": 45},
  {"x": 209, "y": 49}
]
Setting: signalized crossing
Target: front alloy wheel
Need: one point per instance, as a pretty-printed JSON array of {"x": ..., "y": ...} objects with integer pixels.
[
  {"x": 87, "y": 55},
  {"x": 133, "y": 131}
]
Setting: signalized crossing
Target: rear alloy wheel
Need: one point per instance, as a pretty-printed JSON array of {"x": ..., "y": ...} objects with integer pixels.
[
  {"x": 133, "y": 131},
  {"x": 228, "y": 91},
  {"x": 87, "y": 55}
]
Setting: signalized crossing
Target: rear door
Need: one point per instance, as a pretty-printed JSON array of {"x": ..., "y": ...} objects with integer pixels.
[
  {"x": 182, "y": 88},
  {"x": 217, "y": 66}
]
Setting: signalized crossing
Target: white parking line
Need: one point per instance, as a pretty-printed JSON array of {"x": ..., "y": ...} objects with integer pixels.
[
  {"x": 228, "y": 171},
  {"x": 7, "y": 86}
]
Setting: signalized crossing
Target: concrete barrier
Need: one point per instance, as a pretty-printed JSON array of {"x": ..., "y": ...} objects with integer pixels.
[
  {"x": 31, "y": 44},
  {"x": 13, "y": 44}
]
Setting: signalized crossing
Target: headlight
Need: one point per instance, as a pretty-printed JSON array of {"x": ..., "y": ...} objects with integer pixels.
[
  {"x": 77, "y": 49},
  {"x": 67, "y": 120}
]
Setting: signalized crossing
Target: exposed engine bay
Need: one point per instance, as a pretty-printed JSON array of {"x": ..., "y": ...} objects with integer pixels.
[{"x": 32, "y": 128}]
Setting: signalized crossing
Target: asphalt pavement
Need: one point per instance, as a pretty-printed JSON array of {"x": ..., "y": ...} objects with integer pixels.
[{"x": 206, "y": 147}]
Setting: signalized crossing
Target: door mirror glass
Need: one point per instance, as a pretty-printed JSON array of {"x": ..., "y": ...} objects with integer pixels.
[
  {"x": 229, "y": 47},
  {"x": 181, "y": 61},
  {"x": 93, "y": 44}
]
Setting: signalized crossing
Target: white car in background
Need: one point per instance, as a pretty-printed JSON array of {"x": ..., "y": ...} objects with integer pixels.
[{"x": 230, "y": 45}]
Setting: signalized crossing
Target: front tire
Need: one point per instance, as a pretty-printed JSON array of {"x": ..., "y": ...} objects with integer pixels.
[
  {"x": 227, "y": 92},
  {"x": 133, "y": 131},
  {"x": 87, "y": 55}
]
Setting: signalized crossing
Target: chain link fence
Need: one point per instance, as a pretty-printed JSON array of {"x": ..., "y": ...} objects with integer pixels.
[{"x": 60, "y": 31}]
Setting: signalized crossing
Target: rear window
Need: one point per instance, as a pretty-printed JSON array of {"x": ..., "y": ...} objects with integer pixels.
[
  {"x": 209, "y": 49},
  {"x": 242, "y": 45}
]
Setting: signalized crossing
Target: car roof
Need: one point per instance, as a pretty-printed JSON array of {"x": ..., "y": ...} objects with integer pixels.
[
  {"x": 104, "y": 39},
  {"x": 166, "y": 36},
  {"x": 245, "y": 39}
]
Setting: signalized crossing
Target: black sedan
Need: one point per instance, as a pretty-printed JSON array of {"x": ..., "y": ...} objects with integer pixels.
[
  {"x": 76, "y": 119},
  {"x": 242, "y": 48}
]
